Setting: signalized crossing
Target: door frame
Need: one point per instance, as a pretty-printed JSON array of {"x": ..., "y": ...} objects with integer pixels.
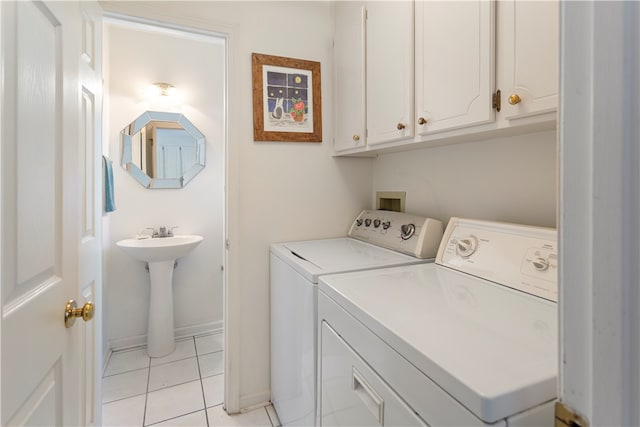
[
  {"x": 599, "y": 211},
  {"x": 231, "y": 295}
]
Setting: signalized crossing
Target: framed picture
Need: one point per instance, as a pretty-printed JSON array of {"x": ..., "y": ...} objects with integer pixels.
[{"x": 287, "y": 104}]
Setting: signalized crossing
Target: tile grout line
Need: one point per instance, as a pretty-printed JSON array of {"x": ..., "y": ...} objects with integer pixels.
[
  {"x": 123, "y": 398},
  {"x": 269, "y": 416},
  {"x": 146, "y": 395},
  {"x": 174, "y": 418},
  {"x": 124, "y": 372},
  {"x": 204, "y": 399}
]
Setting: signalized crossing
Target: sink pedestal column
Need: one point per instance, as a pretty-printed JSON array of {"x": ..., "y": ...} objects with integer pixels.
[{"x": 160, "y": 331}]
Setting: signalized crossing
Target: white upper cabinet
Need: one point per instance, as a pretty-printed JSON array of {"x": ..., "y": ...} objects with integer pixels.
[
  {"x": 454, "y": 64},
  {"x": 419, "y": 73},
  {"x": 389, "y": 71},
  {"x": 349, "y": 75},
  {"x": 528, "y": 60}
]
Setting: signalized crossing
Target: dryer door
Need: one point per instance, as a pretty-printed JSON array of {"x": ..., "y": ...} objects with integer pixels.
[{"x": 352, "y": 394}]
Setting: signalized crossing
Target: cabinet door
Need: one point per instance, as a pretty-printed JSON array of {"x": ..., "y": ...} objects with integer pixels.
[
  {"x": 349, "y": 77},
  {"x": 455, "y": 71},
  {"x": 389, "y": 39},
  {"x": 528, "y": 57}
]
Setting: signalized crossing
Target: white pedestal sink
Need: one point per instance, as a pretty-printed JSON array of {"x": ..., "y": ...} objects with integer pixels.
[{"x": 161, "y": 254}]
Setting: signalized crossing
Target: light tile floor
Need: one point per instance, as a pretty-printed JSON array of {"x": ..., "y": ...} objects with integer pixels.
[{"x": 185, "y": 388}]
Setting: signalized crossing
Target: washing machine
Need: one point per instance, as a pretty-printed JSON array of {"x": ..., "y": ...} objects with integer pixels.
[
  {"x": 376, "y": 239},
  {"x": 468, "y": 340}
]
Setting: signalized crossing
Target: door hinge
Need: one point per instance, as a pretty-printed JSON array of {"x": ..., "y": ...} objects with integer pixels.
[
  {"x": 227, "y": 244},
  {"x": 496, "y": 102},
  {"x": 567, "y": 417}
]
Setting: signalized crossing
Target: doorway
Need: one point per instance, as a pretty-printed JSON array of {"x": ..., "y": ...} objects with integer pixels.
[{"x": 137, "y": 54}]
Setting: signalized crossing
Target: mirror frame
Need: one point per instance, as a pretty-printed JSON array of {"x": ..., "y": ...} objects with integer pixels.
[{"x": 141, "y": 176}]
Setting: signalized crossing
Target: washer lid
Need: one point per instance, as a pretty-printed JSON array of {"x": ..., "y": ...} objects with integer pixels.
[
  {"x": 312, "y": 258},
  {"x": 494, "y": 349}
]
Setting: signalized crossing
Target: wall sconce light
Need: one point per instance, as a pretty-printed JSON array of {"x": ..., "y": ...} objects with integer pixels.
[
  {"x": 164, "y": 97},
  {"x": 162, "y": 89}
]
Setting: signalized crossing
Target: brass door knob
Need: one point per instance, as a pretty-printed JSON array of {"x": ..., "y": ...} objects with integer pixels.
[
  {"x": 71, "y": 312},
  {"x": 422, "y": 121},
  {"x": 400, "y": 126},
  {"x": 356, "y": 137},
  {"x": 514, "y": 99}
]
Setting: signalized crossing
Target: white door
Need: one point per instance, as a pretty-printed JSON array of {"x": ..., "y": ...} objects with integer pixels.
[{"x": 48, "y": 204}]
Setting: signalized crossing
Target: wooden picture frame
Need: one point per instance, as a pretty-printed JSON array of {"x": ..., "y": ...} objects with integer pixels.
[{"x": 287, "y": 100}]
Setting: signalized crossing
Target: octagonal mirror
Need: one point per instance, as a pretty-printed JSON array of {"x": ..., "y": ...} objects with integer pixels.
[{"x": 162, "y": 150}]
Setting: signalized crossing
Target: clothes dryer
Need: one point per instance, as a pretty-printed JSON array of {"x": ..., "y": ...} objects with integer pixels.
[{"x": 468, "y": 340}]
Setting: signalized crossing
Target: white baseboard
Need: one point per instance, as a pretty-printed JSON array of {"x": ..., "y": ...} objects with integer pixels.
[
  {"x": 255, "y": 400},
  {"x": 124, "y": 343},
  {"x": 206, "y": 328}
]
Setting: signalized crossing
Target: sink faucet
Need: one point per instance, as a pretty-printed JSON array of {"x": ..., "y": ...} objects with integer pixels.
[{"x": 162, "y": 231}]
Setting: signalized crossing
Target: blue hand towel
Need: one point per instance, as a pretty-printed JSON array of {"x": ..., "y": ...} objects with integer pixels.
[{"x": 109, "y": 199}]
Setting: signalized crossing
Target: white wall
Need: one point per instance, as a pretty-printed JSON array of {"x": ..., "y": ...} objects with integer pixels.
[
  {"x": 137, "y": 57},
  {"x": 278, "y": 191},
  {"x": 510, "y": 179}
]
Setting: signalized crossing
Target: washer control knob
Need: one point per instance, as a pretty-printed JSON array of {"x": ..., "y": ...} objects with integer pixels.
[
  {"x": 386, "y": 225},
  {"x": 467, "y": 246},
  {"x": 367, "y": 222},
  {"x": 359, "y": 222},
  {"x": 376, "y": 223},
  {"x": 540, "y": 264},
  {"x": 407, "y": 230}
]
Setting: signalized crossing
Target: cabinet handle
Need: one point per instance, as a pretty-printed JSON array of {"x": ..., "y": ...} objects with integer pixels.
[
  {"x": 514, "y": 99},
  {"x": 356, "y": 137},
  {"x": 422, "y": 121},
  {"x": 400, "y": 126}
]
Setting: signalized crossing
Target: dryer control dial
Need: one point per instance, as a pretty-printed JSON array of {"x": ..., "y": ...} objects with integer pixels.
[
  {"x": 467, "y": 246},
  {"x": 540, "y": 264},
  {"x": 376, "y": 223},
  {"x": 407, "y": 230},
  {"x": 386, "y": 224},
  {"x": 367, "y": 222}
]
